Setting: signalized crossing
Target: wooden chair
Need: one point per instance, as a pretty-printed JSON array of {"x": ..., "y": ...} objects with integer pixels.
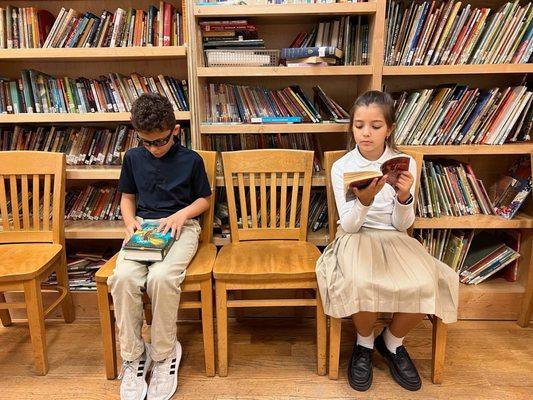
[
  {"x": 32, "y": 245},
  {"x": 439, "y": 328},
  {"x": 268, "y": 250},
  {"x": 198, "y": 280}
]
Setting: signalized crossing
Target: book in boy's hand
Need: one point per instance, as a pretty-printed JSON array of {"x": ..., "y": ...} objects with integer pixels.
[
  {"x": 147, "y": 244},
  {"x": 361, "y": 179}
]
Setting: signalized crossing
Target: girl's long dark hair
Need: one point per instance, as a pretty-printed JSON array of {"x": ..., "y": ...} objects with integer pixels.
[{"x": 381, "y": 99}]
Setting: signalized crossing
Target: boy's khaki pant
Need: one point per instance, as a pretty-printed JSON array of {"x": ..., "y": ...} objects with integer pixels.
[{"x": 162, "y": 280}]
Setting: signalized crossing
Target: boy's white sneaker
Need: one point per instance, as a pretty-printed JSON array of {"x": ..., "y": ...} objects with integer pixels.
[
  {"x": 133, "y": 376},
  {"x": 164, "y": 378}
]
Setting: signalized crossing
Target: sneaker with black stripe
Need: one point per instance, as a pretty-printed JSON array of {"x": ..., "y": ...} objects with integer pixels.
[
  {"x": 133, "y": 377},
  {"x": 164, "y": 378}
]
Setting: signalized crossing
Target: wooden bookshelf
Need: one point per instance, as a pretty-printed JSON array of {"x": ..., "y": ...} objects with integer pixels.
[
  {"x": 285, "y": 10},
  {"x": 66, "y": 118},
  {"x": 520, "y": 221},
  {"x": 207, "y": 129},
  {"x": 478, "y": 69},
  {"x": 94, "y": 54},
  {"x": 93, "y": 172},
  {"x": 336, "y": 70},
  {"x": 94, "y": 229},
  {"x": 512, "y": 148}
]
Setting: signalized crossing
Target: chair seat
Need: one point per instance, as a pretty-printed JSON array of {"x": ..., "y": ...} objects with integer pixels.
[
  {"x": 200, "y": 267},
  {"x": 24, "y": 261},
  {"x": 267, "y": 260}
]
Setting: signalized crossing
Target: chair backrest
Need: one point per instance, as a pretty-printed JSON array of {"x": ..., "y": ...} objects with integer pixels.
[
  {"x": 32, "y": 197},
  {"x": 329, "y": 159},
  {"x": 277, "y": 213},
  {"x": 206, "y": 219}
]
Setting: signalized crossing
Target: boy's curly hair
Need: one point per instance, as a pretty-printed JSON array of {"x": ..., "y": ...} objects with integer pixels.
[{"x": 152, "y": 112}]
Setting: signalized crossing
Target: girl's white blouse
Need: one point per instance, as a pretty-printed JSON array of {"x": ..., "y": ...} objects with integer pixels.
[{"x": 385, "y": 212}]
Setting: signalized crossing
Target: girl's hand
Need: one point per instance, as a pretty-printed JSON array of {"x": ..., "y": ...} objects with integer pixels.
[
  {"x": 403, "y": 186},
  {"x": 367, "y": 194}
]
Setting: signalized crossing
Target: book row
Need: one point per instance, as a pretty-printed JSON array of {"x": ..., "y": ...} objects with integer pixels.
[
  {"x": 93, "y": 202},
  {"x": 81, "y": 145},
  {"x": 454, "y": 32},
  {"x": 29, "y": 27},
  {"x": 37, "y": 92}
]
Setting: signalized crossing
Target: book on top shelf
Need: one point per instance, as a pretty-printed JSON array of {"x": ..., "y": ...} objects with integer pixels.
[
  {"x": 148, "y": 244},
  {"x": 392, "y": 168}
]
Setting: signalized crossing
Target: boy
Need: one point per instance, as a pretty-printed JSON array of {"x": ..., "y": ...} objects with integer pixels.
[{"x": 160, "y": 180}]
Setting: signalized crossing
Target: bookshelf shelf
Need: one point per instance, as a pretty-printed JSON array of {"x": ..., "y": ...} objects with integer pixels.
[
  {"x": 62, "y": 118},
  {"x": 209, "y": 129},
  {"x": 285, "y": 10},
  {"x": 94, "y": 230},
  {"x": 521, "y": 220},
  {"x": 477, "y": 69},
  {"x": 93, "y": 54},
  {"x": 318, "y": 238},
  {"x": 318, "y": 179},
  {"x": 337, "y": 70},
  {"x": 93, "y": 172},
  {"x": 511, "y": 148}
]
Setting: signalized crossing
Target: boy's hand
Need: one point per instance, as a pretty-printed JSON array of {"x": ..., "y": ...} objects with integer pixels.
[
  {"x": 405, "y": 181},
  {"x": 130, "y": 227},
  {"x": 367, "y": 194},
  {"x": 173, "y": 223}
]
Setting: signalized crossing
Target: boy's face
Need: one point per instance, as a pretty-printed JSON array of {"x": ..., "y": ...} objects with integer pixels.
[{"x": 157, "y": 142}]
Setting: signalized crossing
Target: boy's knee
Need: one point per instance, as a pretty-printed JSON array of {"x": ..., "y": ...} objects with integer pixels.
[
  {"x": 160, "y": 275},
  {"x": 124, "y": 278}
]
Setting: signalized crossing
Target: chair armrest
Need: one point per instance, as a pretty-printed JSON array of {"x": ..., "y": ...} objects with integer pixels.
[{"x": 106, "y": 270}]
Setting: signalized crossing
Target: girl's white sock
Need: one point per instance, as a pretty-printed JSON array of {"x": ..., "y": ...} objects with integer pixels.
[
  {"x": 366, "y": 341},
  {"x": 392, "y": 342}
]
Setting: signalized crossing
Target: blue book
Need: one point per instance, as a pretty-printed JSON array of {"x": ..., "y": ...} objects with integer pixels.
[
  {"x": 147, "y": 244},
  {"x": 275, "y": 120}
]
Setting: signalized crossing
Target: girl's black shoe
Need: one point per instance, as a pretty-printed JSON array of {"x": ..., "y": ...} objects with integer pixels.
[
  {"x": 360, "y": 368},
  {"x": 401, "y": 366}
]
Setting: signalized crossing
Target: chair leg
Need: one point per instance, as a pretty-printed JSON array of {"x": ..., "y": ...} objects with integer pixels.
[
  {"x": 34, "y": 308},
  {"x": 108, "y": 331},
  {"x": 4, "y": 314},
  {"x": 321, "y": 336},
  {"x": 334, "y": 346},
  {"x": 67, "y": 305},
  {"x": 222, "y": 327},
  {"x": 438, "y": 350},
  {"x": 207, "y": 326}
]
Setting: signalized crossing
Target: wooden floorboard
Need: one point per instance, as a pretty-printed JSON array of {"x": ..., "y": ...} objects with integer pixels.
[{"x": 274, "y": 359}]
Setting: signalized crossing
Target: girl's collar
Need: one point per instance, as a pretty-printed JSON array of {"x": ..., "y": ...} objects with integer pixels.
[{"x": 361, "y": 160}]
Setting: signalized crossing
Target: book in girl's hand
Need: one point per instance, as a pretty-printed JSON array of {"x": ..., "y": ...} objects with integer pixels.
[
  {"x": 361, "y": 179},
  {"x": 147, "y": 244}
]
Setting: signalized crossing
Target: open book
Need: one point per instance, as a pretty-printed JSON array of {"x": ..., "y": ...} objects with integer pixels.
[
  {"x": 147, "y": 244},
  {"x": 361, "y": 179}
]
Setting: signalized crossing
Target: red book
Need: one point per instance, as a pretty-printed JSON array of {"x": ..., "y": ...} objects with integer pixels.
[
  {"x": 167, "y": 24},
  {"x": 45, "y": 19}
]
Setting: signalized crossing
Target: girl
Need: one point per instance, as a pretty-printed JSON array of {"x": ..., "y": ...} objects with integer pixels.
[{"x": 372, "y": 265}]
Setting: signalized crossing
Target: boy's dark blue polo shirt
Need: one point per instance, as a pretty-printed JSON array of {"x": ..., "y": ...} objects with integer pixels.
[{"x": 163, "y": 185}]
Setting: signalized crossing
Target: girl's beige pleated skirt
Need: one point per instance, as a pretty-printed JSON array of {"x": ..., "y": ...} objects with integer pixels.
[{"x": 385, "y": 271}]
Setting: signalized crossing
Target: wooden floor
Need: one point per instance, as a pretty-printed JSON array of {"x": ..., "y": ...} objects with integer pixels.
[{"x": 274, "y": 359}]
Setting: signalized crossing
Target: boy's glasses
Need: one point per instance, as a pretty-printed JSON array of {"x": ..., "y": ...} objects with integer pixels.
[{"x": 155, "y": 143}]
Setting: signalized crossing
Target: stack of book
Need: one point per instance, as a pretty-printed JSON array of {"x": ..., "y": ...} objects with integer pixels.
[
  {"x": 475, "y": 256},
  {"x": 94, "y": 202},
  {"x": 230, "y": 34},
  {"x": 81, "y": 268},
  {"x": 450, "y": 188},
  {"x": 455, "y": 114},
  {"x": 331, "y": 110},
  {"x": 27, "y": 27},
  {"x": 511, "y": 190},
  {"x": 448, "y": 32},
  {"x": 318, "y": 211},
  {"x": 245, "y": 104},
  {"x": 37, "y": 92},
  {"x": 24, "y": 27},
  {"x": 298, "y": 141},
  {"x": 341, "y": 41}
]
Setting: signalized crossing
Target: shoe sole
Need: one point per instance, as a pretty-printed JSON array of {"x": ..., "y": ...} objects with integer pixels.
[
  {"x": 395, "y": 375},
  {"x": 178, "y": 360},
  {"x": 362, "y": 387}
]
